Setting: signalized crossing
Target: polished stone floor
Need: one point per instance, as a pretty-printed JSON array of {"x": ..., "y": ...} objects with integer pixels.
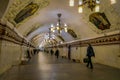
[{"x": 43, "y": 66}]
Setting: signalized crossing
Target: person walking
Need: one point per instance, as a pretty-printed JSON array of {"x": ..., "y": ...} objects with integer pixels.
[
  {"x": 90, "y": 53},
  {"x": 57, "y": 53},
  {"x": 51, "y": 51}
]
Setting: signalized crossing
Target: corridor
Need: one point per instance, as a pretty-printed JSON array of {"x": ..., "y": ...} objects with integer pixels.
[{"x": 44, "y": 66}]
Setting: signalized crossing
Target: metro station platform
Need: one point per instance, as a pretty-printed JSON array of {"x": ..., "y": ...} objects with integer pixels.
[{"x": 43, "y": 66}]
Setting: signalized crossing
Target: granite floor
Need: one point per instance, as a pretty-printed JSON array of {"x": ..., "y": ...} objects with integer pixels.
[{"x": 43, "y": 66}]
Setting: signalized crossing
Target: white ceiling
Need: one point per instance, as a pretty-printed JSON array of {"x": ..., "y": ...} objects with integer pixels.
[{"x": 78, "y": 22}]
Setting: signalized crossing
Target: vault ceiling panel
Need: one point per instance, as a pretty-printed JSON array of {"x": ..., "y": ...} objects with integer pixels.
[{"x": 78, "y": 22}]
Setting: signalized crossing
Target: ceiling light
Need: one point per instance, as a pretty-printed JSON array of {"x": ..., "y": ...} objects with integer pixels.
[
  {"x": 91, "y": 4},
  {"x": 71, "y": 3},
  {"x": 60, "y": 26}
]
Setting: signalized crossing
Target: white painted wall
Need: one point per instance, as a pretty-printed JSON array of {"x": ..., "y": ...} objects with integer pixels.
[
  {"x": 10, "y": 54},
  {"x": 108, "y": 55},
  {"x": 75, "y": 53},
  {"x": 105, "y": 54},
  {"x": 63, "y": 52}
]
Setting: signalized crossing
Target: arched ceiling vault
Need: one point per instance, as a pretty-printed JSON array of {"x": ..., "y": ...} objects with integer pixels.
[{"x": 45, "y": 13}]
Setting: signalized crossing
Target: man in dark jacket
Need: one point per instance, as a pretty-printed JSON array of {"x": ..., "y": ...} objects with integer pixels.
[{"x": 90, "y": 53}]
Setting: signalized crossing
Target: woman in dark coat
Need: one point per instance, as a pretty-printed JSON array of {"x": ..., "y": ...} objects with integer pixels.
[{"x": 90, "y": 53}]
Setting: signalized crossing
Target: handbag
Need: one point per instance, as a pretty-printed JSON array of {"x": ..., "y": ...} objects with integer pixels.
[{"x": 85, "y": 60}]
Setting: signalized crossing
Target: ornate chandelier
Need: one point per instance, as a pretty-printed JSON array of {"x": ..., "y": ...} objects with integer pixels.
[
  {"x": 60, "y": 26},
  {"x": 92, "y": 4}
]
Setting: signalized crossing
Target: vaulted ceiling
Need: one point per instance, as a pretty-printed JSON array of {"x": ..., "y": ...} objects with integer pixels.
[{"x": 36, "y": 26}]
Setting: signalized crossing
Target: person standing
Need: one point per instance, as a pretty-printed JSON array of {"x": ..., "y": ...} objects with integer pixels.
[
  {"x": 69, "y": 52},
  {"x": 90, "y": 53}
]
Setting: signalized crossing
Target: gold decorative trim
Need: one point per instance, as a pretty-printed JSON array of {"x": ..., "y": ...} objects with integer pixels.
[{"x": 105, "y": 40}]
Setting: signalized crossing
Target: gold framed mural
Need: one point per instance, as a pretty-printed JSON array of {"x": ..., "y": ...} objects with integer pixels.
[
  {"x": 72, "y": 33},
  {"x": 100, "y": 20},
  {"x": 61, "y": 38},
  {"x": 29, "y": 10}
]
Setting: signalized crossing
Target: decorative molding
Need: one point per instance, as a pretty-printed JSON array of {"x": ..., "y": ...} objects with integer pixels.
[
  {"x": 105, "y": 40},
  {"x": 10, "y": 35}
]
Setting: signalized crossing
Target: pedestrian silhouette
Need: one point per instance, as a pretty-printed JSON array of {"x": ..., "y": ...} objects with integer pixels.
[
  {"x": 57, "y": 53},
  {"x": 90, "y": 53},
  {"x": 51, "y": 51}
]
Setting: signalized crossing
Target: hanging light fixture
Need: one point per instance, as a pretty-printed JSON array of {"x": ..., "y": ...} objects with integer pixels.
[
  {"x": 92, "y": 4},
  {"x": 80, "y": 9},
  {"x": 71, "y": 3},
  {"x": 60, "y": 26},
  {"x": 49, "y": 37}
]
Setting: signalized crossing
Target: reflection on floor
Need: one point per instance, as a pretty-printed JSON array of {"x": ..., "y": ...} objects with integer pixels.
[{"x": 46, "y": 67}]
